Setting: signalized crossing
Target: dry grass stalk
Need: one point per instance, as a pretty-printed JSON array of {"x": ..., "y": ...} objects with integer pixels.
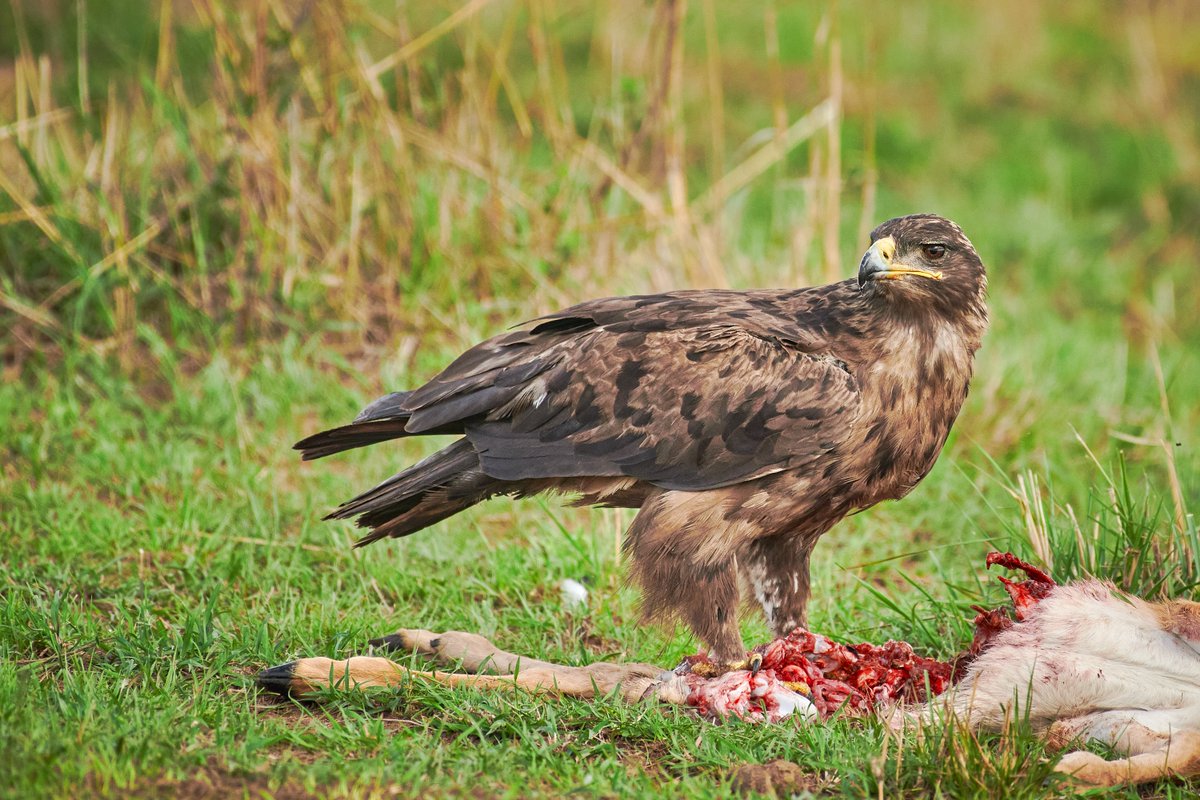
[
  {"x": 1033, "y": 513},
  {"x": 831, "y": 187},
  {"x": 387, "y": 187}
]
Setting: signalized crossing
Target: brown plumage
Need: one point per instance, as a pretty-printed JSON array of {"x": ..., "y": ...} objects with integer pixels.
[{"x": 743, "y": 424}]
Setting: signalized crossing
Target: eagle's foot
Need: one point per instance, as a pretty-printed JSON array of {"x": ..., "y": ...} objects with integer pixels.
[{"x": 705, "y": 668}]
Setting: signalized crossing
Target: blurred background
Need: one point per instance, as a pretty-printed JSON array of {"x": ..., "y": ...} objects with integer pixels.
[
  {"x": 217, "y": 172},
  {"x": 384, "y": 183},
  {"x": 228, "y": 224},
  {"x": 377, "y": 185}
]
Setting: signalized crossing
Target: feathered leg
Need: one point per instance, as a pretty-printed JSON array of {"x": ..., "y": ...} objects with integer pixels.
[
  {"x": 777, "y": 570},
  {"x": 697, "y": 584}
]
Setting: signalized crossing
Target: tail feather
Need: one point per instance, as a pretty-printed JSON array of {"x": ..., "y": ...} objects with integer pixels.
[
  {"x": 390, "y": 417},
  {"x": 442, "y": 485},
  {"x": 381, "y": 420},
  {"x": 425, "y": 512},
  {"x": 348, "y": 437},
  {"x": 438, "y": 487},
  {"x": 390, "y": 406}
]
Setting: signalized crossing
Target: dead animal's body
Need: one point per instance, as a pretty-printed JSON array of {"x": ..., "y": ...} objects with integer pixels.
[
  {"x": 1081, "y": 662},
  {"x": 744, "y": 425},
  {"x": 1088, "y": 662}
]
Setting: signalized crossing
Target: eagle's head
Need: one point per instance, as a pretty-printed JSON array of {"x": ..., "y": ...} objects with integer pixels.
[{"x": 926, "y": 260}]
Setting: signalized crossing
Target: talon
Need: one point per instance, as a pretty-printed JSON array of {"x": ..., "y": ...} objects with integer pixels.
[
  {"x": 702, "y": 666},
  {"x": 751, "y": 663}
]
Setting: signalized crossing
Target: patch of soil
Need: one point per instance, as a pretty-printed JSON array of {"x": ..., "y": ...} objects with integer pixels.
[
  {"x": 210, "y": 786},
  {"x": 210, "y": 782},
  {"x": 585, "y": 633},
  {"x": 281, "y": 752},
  {"x": 270, "y": 705},
  {"x": 644, "y": 756},
  {"x": 778, "y": 778}
]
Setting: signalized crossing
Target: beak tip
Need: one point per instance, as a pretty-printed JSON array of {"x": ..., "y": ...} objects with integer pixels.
[{"x": 872, "y": 263}]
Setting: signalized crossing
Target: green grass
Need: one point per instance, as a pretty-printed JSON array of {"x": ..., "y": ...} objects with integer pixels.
[
  {"x": 160, "y": 542},
  {"x": 157, "y": 554}
]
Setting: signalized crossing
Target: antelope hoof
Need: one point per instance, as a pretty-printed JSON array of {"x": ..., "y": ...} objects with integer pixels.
[{"x": 278, "y": 679}]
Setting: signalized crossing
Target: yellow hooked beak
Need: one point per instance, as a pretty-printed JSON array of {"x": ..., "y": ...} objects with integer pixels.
[{"x": 879, "y": 262}]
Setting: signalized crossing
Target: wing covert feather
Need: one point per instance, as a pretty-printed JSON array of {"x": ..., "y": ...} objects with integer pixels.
[{"x": 694, "y": 408}]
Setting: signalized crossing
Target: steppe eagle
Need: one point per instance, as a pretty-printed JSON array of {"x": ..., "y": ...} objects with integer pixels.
[{"x": 743, "y": 425}]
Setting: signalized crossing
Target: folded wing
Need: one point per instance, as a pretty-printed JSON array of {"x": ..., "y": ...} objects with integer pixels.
[{"x": 683, "y": 397}]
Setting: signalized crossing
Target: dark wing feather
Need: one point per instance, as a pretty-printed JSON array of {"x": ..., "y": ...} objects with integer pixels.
[
  {"x": 503, "y": 360},
  {"x": 769, "y": 313},
  {"x": 686, "y": 390},
  {"x": 688, "y": 409}
]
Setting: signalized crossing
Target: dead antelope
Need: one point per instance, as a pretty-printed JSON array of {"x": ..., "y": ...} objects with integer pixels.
[
  {"x": 1090, "y": 663},
  {"x": 1082, "y": 662}
]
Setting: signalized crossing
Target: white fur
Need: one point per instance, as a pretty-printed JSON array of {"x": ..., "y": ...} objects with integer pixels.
[{"x": 1092, "y": 663}]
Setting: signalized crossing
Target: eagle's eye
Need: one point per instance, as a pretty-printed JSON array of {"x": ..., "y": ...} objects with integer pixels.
[{"x": 934, "y": 252}]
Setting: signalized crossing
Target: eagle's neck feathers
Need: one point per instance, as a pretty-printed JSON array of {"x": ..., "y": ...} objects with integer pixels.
[{"x": 913, "y": 366}]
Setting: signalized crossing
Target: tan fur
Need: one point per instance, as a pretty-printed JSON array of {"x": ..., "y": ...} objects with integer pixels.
[
  {"x": 487, "y": 667},
  {"x": 684, "y": 572},
  {"x": 1181, "y": 617},
  {"x": 597, "y": 491}
]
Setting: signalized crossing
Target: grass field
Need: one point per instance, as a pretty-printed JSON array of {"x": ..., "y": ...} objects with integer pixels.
[{"x": 224, "y": 226}]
